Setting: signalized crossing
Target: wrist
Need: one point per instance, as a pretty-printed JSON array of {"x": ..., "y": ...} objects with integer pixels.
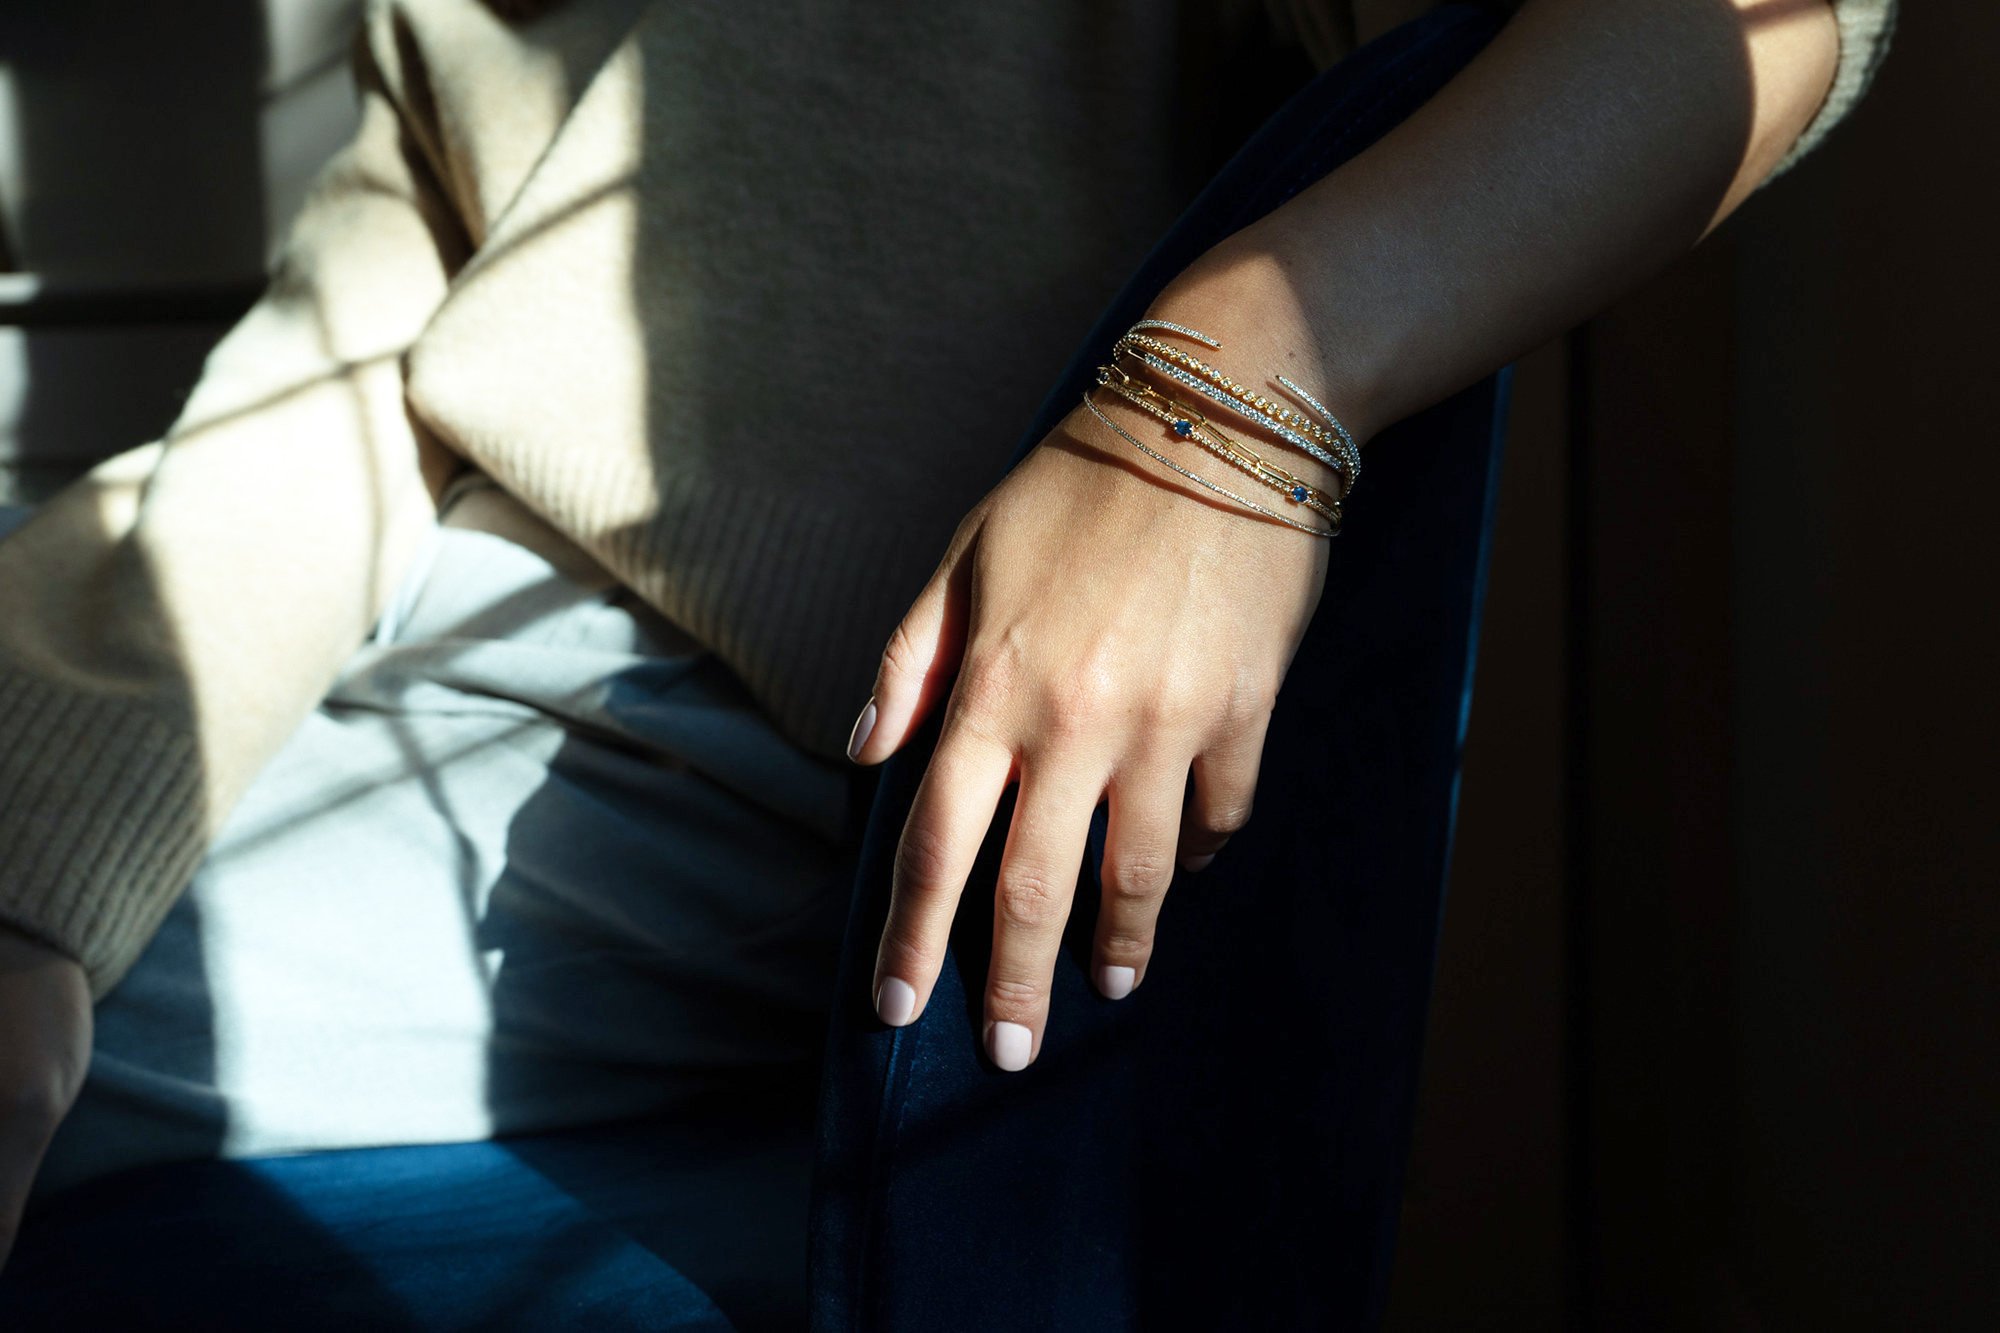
[{"x": 1242, "y": 295}]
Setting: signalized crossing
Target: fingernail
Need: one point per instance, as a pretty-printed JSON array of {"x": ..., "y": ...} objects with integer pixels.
[
  {"x": 1194, "y": 863},
  {"x": 895, "y": 1001},
  {"x": 1008, "y": 1045},
  {"x": 1116, "y": 982},
  {"x": 862, "y": 726}
]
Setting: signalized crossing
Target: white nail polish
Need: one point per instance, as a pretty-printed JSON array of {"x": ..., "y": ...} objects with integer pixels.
[
  {"x": 862, "y": 726},
  {"x": 895, "y": 1001},
  {"x": 1009, "y": 1045},
  {"x": 1116, "y": 982}
]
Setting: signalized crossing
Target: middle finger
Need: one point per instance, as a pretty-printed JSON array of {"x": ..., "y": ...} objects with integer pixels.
[{"x": 1038, "y": 874}]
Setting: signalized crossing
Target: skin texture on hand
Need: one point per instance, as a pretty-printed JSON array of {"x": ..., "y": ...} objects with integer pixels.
[
  {"x": 1114, "y": 630},
  {"x": 45, "y": 1032}
]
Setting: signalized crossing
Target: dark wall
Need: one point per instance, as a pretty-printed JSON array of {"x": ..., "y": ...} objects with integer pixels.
[
  {"x": 1740, "y": 673},
  {"x": 1866, "y": 803}
]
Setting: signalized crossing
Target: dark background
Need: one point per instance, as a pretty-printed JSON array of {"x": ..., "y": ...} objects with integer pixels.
[
  {"x": 1712, "y": 1044},
  {"x": 1713, "y": 1041}
]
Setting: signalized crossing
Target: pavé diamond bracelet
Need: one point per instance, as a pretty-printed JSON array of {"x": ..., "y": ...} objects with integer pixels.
[
  {"x": 1330, "y": 442},
  {"x": 1187, "y": 423}
]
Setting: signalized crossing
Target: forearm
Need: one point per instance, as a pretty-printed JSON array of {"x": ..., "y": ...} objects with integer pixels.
[{"x": 1591, "y": 143}]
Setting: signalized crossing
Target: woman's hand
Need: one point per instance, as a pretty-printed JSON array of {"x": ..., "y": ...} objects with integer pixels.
[
  {"x": 45, "y": 1030},
  {"x": 1113, "y": 629}
]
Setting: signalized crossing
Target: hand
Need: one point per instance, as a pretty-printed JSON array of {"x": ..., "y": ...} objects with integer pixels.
[
  {"x": 1113, "y": 628},
  {"x": 45, "y": 1031}
]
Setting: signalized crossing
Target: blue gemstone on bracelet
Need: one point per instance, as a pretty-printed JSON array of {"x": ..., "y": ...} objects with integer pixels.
[
  {"x": 1299, "y": 493},
  {"x": 1183, "y": 428}
]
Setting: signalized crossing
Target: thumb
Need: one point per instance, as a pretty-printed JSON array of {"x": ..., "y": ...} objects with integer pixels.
[{"x": 923, "y": 654}]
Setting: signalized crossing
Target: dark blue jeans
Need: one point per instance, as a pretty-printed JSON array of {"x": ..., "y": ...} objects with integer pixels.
[{"x": 1223, "y": 1149}]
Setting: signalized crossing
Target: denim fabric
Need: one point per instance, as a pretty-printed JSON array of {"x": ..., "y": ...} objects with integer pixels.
[
  {"x": 488, "y": 1235},
  {"x": 536, "y": 861},
  {"x": 1222, "y": 1149},
  {"x": 1225, "y": 1147}
]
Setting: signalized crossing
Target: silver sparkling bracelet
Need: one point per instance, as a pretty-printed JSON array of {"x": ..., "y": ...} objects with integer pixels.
[{"x": 1334, "y": 445}]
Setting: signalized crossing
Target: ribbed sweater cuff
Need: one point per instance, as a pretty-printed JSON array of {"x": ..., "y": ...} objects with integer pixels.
[
  {"x": 101, "y": 819},
  {"x": 1865, "y": 27}
]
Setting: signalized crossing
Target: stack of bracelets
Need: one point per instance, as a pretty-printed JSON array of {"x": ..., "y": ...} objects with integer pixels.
[{"x": 1324, "y": 439}]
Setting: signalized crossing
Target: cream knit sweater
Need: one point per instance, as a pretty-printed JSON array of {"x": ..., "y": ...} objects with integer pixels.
[{"x": 693, "y": 282}]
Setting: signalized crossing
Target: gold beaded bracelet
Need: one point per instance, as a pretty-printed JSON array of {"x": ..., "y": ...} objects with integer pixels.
[
  {"x": 1331, "y": 442},
  {"x": 1187, "y": 423},
  {"x": 1198, "y": 479}
]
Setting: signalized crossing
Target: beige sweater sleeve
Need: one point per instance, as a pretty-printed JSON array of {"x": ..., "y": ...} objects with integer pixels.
[{"x": 170, "y": 618}]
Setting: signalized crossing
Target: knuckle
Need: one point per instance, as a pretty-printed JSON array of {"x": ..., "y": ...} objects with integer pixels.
[
  {"x": 1127, "y": 947},
  {"x": 1135, "y": 879},
  {"x": 922, "y": 861},
  {"x": 900, "y": 954},
  {"x": 1007, "y": 996},
  {"x": 1097, "y": 680},
  {"x": 1226, "y": 817},
  {"x": 903, "y": 934},
  {"x": 901, "y": 658},
  {"x": 1078, "y": 701},
  {"x": 1029, "y": 901},
  {"x": 1252, "y": 695},
  {"x": 1178, "y": 704}
]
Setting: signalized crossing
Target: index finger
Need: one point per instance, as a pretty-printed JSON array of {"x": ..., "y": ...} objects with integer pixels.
[{"x": 949, "y": 817}]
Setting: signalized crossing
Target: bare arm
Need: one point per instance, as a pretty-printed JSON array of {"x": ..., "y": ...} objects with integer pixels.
[
  {"x": 1591, "y": 142},
  {"x": 1587, "y": 146}
]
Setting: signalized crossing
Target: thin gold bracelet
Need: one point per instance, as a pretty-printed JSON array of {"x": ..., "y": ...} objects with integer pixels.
[
  {"x": 1200, "y": 480},
  {"x": 1187, "y": 423},
  {"x": 1331, "y": 443}
]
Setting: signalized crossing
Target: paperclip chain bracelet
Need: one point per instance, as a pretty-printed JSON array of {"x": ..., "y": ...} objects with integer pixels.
[
  {"x": 1200, "y": 480},
  {"x": 1189, "y": 424}
]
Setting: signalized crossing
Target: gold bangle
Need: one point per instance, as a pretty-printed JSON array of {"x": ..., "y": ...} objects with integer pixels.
[
  {"x": 1199, "y": 480},
  {"x": 1187, "y": 423},
  {"x": 1331, "y": 443}
]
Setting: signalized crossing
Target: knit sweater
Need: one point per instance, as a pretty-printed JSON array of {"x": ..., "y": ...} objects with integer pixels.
[{"x": 695, "y": 283}]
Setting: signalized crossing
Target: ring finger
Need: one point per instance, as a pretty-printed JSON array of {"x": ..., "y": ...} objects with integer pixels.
[{"x": 1139, "y": 847}]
